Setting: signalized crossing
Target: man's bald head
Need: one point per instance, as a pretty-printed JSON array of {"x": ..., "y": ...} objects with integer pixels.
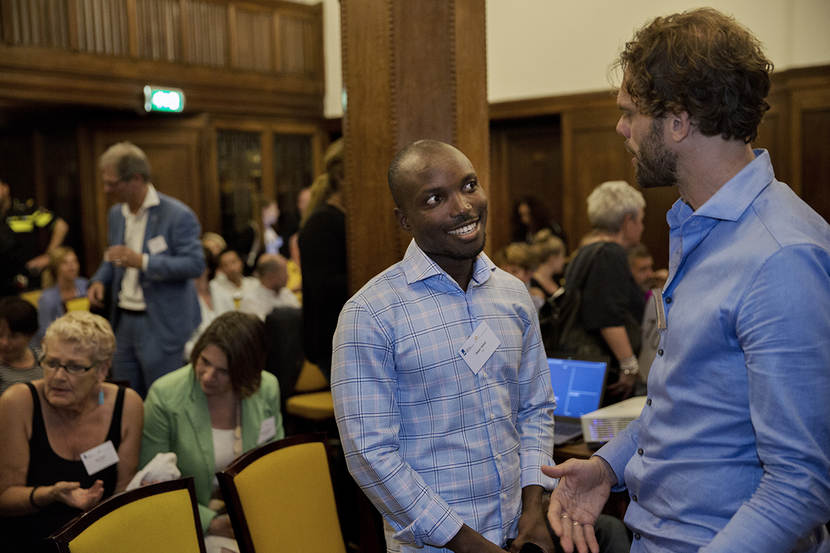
[
  {"x": 415, "y": 160},
  {"x": 272, "y": 270}
]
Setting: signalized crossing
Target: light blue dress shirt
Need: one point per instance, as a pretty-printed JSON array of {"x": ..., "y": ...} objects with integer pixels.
[
  {"x": 732, "y": 450},
  {"x": 433, "y": 444}
]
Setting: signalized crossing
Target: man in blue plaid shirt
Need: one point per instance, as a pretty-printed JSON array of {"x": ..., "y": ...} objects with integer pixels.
[{"x": 441, "y": 387}]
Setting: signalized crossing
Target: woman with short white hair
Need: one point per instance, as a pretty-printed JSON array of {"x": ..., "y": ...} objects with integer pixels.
[
  {"x": 47, "y": 426},
  {"x": 612, "y": 302}
]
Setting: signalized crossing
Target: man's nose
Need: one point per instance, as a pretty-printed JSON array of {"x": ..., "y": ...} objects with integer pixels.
[
  {"x": 460, "y": 204},
  {"x": 623, "y": 129}
]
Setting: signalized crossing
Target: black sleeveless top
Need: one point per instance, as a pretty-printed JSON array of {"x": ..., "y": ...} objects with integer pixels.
[{"x": 28, "y": 533}]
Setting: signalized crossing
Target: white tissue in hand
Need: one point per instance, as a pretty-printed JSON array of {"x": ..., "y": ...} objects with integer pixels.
[{"x": 160, "y": 469}]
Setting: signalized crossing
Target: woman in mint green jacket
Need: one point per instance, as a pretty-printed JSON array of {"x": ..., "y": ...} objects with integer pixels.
[{"x": 214, "y": 409}]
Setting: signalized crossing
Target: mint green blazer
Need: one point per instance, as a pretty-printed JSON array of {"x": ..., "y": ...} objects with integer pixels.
[{"x": 176, "y": 419}]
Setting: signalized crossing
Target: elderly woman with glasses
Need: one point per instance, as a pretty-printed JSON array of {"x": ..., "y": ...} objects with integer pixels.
[{"x": 67, "y": 440}]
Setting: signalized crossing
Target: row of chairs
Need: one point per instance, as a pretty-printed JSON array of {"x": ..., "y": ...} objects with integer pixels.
[{"x": 279, "y": 498}]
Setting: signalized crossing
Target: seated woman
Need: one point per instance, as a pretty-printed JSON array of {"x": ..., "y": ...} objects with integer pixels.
[
  {"x": 214, "y": 409},
  {"x": 63, "y": 264},
  {"x": 18, "y": 359},
  {"x": 550, "y": 251},
  {"x": 49, "y": 423}
]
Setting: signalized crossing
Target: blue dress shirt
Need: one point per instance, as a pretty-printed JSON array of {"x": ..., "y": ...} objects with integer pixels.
[
  {"x": 732, "y": 450},
  {"x": 433, "y": 444}
]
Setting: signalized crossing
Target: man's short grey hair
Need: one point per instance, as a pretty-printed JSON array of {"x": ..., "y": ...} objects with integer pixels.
[
  {"x": 610, "y": 202},
  {"x": 127, "y": 159}
]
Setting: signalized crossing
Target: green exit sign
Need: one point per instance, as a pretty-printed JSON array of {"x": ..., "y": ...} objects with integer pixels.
[{"x": 163, "y": 99}]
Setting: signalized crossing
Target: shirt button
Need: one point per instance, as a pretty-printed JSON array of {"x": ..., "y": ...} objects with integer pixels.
[
  {"x": 668, "y": 299},
  {"x": 636, "y": 535},
  {"x": 648, "y": 401},
  {"x": 660, "y": 352},
  {"x": 492, "y": 416},
  {"x": 634, "y": 498},
  {"x": 640, "y": 451}
]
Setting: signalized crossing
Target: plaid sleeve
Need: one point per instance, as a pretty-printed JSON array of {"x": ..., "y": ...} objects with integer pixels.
[{"x": 363, "y": 387}]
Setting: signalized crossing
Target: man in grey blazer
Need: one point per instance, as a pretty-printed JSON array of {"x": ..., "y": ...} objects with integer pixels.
[{"x": 152, "y": 256}]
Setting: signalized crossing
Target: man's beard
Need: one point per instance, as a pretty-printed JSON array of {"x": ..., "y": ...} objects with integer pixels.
[{"x": 656, "y": 165}]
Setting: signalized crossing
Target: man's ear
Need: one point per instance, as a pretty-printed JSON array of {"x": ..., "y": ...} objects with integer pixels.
[
  {"x": 402, "y": 220},
  {"x": 680, "y": 126}
]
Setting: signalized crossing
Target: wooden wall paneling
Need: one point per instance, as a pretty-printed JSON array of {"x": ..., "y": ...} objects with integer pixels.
[
  {"x": 93, "y": 206},
  {"x": 6, "y": 25},
  {"x": 402, "y": 88},
  {"x": 810, "y": 131},
  {"x": 185, "y": 30},
  {"x": 531, "y": 166},
  {"x": 254, "y": 38},
  {"x": 774, "y": 133},
  {"x": 212, "y": 209},
  {"x": 592, "y": 153},
  {"x": 471, "y": 120},
  {"x": 366, "y": 44},
  {"x": 39, "y": 163},
  {"x": 277, "y": 23},
  {"x": 499, "y": 235},
  {"x": 174, "y": 150},
  {"x": 207, "y": 40},
  {"x": 233, "y": 45},
  {"x": 268, "y": 180},
  {"x": 71, "y": 23}
]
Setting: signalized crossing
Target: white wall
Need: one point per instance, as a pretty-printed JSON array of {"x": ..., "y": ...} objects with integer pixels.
[{"x": 550, "y": 47}]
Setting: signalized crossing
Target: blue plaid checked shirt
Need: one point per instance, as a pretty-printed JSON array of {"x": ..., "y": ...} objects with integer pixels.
[{"x": 432, "y": 444}]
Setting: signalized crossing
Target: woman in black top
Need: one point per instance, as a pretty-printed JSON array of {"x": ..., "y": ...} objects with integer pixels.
[
  {"x": 47, "y": 424},
  {"x": 612, "y": 302}
]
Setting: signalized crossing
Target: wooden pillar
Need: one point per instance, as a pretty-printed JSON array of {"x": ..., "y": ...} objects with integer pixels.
[{"x": 411, "y": 70}]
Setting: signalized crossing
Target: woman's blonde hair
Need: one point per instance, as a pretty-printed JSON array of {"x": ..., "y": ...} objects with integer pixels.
[
  {"x": 548, "y": 244},
  {"x": 91, "y": 332},
  {"x": 56, "y": 257}
]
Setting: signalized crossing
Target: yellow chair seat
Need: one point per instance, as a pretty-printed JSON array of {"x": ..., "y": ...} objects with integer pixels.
[
  {"x": 314, "y": 406},
  {"x": 77, "y": 304},
  {"x": 32, "y": 296}
]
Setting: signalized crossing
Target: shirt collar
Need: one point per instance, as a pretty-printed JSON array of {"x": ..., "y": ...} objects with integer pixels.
[
  {"x": 151, "y": 198},
  {"x": 734, "y": 197},
  {"x": 417, "y": 265}
]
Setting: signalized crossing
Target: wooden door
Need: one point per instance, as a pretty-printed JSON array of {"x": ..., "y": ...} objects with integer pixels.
[
  {"x": 526, "y": 160},
  {"x": 593, "y": 153}
]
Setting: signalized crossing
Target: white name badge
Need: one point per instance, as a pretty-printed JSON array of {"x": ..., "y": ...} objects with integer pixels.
[
  {"x": 157, "y": 245},
  {"x": 478, "y": 348},
  {"x": 99, "y": 457},
  {"x": 267, "y": 430}
]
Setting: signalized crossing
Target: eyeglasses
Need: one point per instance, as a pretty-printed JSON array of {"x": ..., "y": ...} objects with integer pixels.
[{"x": 71, "y": 368}]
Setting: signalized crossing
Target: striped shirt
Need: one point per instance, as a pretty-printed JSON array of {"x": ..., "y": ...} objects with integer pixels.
[{"x": 433, "y": 444}]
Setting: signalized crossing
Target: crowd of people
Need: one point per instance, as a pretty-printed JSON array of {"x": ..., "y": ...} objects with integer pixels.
[
  {"x": 438, "y": 365},
  {"x": 175, "y": 364}
]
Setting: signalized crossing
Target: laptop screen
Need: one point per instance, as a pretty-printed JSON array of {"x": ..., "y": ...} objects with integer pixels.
[{"x": 577, "y": 385}]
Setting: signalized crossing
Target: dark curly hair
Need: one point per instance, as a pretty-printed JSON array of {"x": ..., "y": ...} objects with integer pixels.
[{"x": 701, "y": 62}]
